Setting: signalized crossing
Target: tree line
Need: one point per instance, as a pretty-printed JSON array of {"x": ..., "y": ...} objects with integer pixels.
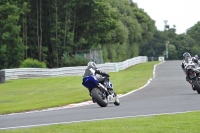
[
  {"x": 46, "y": 30},
  {"x": 51, "y": 31},
  {"x": 178, "y": 43}
]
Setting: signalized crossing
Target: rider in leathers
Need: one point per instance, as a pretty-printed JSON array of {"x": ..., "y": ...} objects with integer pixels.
[
  {"x": 92, "y": 70},
  {"x": 195, "y": 59},
  {"x": 187, "y": 59}
]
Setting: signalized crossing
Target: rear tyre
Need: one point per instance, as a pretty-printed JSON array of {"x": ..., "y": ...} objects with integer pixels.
[{"x": 99, "y": 98}]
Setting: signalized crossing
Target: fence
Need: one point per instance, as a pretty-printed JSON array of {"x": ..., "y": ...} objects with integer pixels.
[
  {"x": 20, "y": 73},
  {"x": 160, "y": 58}
]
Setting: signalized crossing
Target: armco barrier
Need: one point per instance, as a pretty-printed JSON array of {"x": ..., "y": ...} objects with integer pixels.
[{"x": 19, "y": 73}]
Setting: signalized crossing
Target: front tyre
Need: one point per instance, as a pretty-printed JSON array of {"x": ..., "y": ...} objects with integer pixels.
[
  {"x": 99, "y": 98},
  {"x": 196, "y": 85}
]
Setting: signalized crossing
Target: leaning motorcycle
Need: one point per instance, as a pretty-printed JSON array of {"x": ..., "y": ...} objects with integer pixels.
[
  {"x": 194, "y": 76},
  {"x": 102, "y": 94}
]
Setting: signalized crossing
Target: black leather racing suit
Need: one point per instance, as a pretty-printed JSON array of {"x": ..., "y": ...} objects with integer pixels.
[
  {"x": 93, "y": 71},
  {"x": 184, "y": 64}
]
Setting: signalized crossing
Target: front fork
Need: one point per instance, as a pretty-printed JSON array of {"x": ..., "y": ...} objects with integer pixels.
[
  {"x": 110, "y": 95},
  {"x": 191, "y": 75}
]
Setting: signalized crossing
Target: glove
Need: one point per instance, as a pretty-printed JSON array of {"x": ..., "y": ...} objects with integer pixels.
[
  {"x": 105, "y": 74},
  {"x": 101, "y": 73}
]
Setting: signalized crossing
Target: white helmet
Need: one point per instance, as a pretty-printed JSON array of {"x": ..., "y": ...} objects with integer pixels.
[{"x": 92, "y": 65}]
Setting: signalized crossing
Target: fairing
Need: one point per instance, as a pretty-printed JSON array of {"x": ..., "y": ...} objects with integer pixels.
[{"x": 90, "y": 82}]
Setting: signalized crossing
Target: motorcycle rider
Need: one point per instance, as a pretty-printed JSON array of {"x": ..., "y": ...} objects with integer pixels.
[
  {"x": 186, "y": 58},
  {"x": 195, "y": 59},
  {"x": 187, "y": 61},
  {"x": 93, "y": 70}
]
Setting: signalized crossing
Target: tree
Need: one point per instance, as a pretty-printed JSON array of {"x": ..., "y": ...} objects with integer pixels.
[
  {"x": 194, "y": 32},
  {"x": 46, "y": 30},
  {"x": 155, "y": 45},
  {"x": 172, "y": 52},
  {"x": 11, "y": 47},
  {"x": 183, "y": 43}
]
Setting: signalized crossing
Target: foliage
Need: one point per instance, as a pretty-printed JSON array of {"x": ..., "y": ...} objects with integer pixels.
[
  {"x": 194, "y": 32},
  {"x": 195, "y": 50},
  {"x": 77, "y": 60},
  {"x": 155, "y": 46},
  {"x": 64, "y": 90},
  {"x": 178, "y": 44},
  {"x": 183, "y": 43},
  {"x": 185, "y": 122},
  {"x": 134, "y": 28},
  {"x": 11, "y": 47},
  {"x": 172, "y": 52},
  {"x": 45, "y": 30},
  {"x": 32, "y": 63}
]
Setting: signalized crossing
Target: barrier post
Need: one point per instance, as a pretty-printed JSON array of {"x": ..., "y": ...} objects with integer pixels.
[{"x": 2, "y": 76}]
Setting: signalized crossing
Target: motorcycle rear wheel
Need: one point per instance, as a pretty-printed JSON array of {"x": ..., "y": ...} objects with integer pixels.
[{"x": 98, "y": 96}]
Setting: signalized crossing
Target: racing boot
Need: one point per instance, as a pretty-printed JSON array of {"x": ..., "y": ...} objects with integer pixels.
[
  {"x": 187, "y": 79},
  {"x": 92, "y": 98}
]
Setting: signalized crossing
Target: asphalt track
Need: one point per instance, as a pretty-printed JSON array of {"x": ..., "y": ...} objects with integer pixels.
[{"x": 167, "y": 92}]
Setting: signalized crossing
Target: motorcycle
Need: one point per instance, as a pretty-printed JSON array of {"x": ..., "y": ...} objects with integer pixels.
[
  {"x": 102, "y": 94},
  {"x": 193, "y": 74}
]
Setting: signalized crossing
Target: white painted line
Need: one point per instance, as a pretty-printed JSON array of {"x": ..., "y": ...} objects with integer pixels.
[
  {"x": 146, "y": 83},
  {"x": 28, "y": 126},
  {"x": 87, "y": 102}
]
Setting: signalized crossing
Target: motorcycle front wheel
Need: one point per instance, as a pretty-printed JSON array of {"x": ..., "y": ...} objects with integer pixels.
[{"x": 196, "y": 85}]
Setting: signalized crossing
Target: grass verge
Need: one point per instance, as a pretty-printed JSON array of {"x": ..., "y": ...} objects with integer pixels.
[
  {"x": 176, "y": 123},
  {"x": 40, "y": 93}
]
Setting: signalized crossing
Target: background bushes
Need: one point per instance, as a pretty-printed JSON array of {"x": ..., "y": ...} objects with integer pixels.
[{"x": 32, "y": 63}]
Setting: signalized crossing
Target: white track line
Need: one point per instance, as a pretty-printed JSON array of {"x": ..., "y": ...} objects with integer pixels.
[
  {"x": 28, "y": 126},
  {"x": 88, "y": 102},
  {"x": 81, "y": 104},
  {"x": 154, "y": 74}
]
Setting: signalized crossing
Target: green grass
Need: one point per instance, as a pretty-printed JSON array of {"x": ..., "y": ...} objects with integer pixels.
[
  {"x": 177, "y": 123},
  {"x": 31, "y": 94}
]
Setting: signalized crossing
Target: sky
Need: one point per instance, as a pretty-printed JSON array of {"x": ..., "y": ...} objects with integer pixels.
[{"x": 182, "y": 13}]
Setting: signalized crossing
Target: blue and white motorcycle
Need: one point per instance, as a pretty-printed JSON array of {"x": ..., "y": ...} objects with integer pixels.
[{"x": 102, "y": 94}]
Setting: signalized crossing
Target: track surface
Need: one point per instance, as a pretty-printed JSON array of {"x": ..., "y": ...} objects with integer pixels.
[{"x": 167, "y": 92}]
